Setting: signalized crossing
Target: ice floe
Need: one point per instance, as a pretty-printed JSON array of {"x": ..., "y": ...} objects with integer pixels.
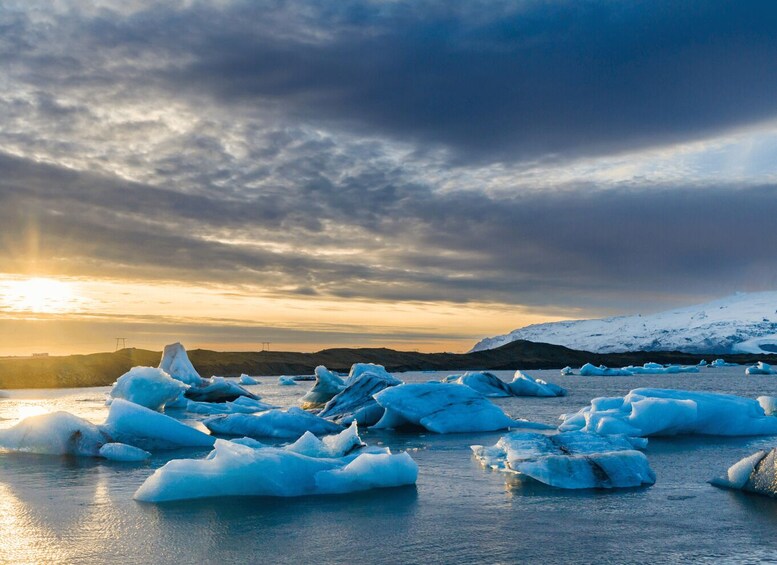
[
  {"x": 249, "y": 469},
  {"x": 443, "y": 408},
  {"x": 284, "y": 380},
  {"x": 492, "y": 386},
  {"x": 123, "y": 452},
  {"x": 277, "y": 423},
  {"x": 327, "y": 386},
  {"x": 756, "y": 473},
  {"x": 56, "y": 433},
  {"x": 569, "y": 460},
  {"x": 247, "y": 380},
  {"x": 217, "y": 389},
  {"x": 148, "y": 386},
  {"x": 355, "y": 403},
  {"x": 241, "y": 405},
  {"x": 663, "y": 412},
  {"x": 566, "y": 371},
  {"x": 761, "y": 368},
  {"x": 136, "y": 425},
  {"x": 721, "y": 363},
  {"x": 589, "y": 370}
]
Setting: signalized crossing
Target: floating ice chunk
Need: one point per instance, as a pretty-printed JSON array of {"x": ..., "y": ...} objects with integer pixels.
[
  {"x": 756, "y": 473},
  {"x": 485, "y": 383},
  {"x": 647, "y": 412},
  {"x": 123, "y": 452},
  {"x": 566, "y": 371},
  {"x": 148, "y": 386},
  {"x": 355, "y": 403},
  {"x": 286, "y": 381},
  {"x": 442, "y": 408},
  {"x": 217, "y": 389},
  {"x": 760, "y": 368},
  {"x": 589, "y": 370},
  {"x": 135, "y": 425},
  {"x": 327, "y": 386},
  {"x": 290, "y": 423},
  {"x": 241, "y": 405},
  {"x": 56, "y": 433},
  {"x": 703, "y": 363},
  {"x": 237, "y": 469},
  {"x": 175, "y": 362},
  {"x": 721, "y": 363},
  {"x": 338, "y": 445},
  {"x": 657, "y": 369},
  {"x": 524, "y": 385},
  {"x": 246, "y": 380},
  {"x": 769, "y": 404},
  {"x": 570, "y": 460}
]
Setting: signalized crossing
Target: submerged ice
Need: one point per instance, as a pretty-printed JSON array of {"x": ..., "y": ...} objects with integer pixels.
[
  {"x": 569, "y": 460},
  {"x": 662, "y": 412},
  {"x": 309, "y": 466}
]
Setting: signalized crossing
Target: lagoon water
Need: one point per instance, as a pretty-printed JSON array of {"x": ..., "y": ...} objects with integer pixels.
[{"x": 69, "y": 510}]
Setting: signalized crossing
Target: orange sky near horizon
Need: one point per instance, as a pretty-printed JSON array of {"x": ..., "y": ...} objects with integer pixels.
[{"x": 67, "y": 315}]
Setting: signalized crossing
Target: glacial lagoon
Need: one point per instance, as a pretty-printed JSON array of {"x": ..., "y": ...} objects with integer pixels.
[{"x": 66, "y": 509}]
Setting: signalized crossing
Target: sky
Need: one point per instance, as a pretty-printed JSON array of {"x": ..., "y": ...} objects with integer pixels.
[{"x": 415, "y": 175}]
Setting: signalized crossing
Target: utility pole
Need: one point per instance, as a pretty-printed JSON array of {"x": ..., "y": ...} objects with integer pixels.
[{"x": 122, "y": 341}]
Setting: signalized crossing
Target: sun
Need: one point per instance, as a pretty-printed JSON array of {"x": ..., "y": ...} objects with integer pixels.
[{"x": 38, "y": 295}]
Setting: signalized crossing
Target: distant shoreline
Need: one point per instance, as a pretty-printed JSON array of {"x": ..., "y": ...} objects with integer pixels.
[{"x": 101, "y": 369}]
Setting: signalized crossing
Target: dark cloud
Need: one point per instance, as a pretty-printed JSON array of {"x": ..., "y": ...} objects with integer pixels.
[
  {"x": 502, "y": 81},
  {"x": 597, "y": 248}
]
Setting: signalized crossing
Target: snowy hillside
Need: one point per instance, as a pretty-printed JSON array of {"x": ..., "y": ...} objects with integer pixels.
[{"x": 742, "y": 323}]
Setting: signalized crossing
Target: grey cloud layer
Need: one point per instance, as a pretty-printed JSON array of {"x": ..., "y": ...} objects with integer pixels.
[
  {"x": 598, "y": 248},
  {"x": 292, "y": 146}
]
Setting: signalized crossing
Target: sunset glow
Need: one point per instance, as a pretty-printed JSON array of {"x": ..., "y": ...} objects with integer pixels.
[{"x": 38, "y": 295}]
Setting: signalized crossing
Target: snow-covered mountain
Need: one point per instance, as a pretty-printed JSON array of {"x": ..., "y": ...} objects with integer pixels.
[{"x": 742, "y": 323}]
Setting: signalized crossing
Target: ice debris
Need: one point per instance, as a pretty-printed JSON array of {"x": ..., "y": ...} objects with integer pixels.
[
  {"x": 443, "y": 408},
  {"x": 355, "y": 403},
  {"x": 569, "y": 460},
  {"x": 327, "y": 386},
  {"x": 233, "y": 468},
  {"x": 148, "y": 386},
  {"x": 664, "y": 412},
  {"x": 247, "y": 380},
  {"x": 492, "y": 386},
  {"x": 756, "y": 473},
  {"x": 277, "y": 423},
  {"x": 761, "y": 368}
]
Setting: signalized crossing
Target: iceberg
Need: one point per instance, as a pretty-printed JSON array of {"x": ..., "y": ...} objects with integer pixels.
[
  {"x": 760, "y": 368},
  {"x": 290, "y": 423},
  {"x": 283, "y": 380},
  {"x": 721, "y": 363},
  {"x": 175, "y": 362},
  {"x": 239, "y": 469},
  {"x": 524, "y": 385},
  {"x": 658, "y": 369},
  {"x": 443, "y": 408},
  {"x": 569, "y": 460},
  {"x": 327, "y": 386},
  {"x": 492, "y": 386},
  {"x": 355, "y": 403},
  {"x": 217, "y": 389},
  {"x": 135, "y": 425},
  {"x": 664, "y": 412},
  {"x": 566, "y": 371},
  {"x": 589, "y": 370},
  {"x": 756, "y": 473},
  {"x": 148, "y": 386},
  {"x": 241, "y": 405},
  {"x": 56, "y": 433},
  {"x": 769, "y": 404},
  {"x": 246, "y": 380},
  {"x": 123, "y": 452}
]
